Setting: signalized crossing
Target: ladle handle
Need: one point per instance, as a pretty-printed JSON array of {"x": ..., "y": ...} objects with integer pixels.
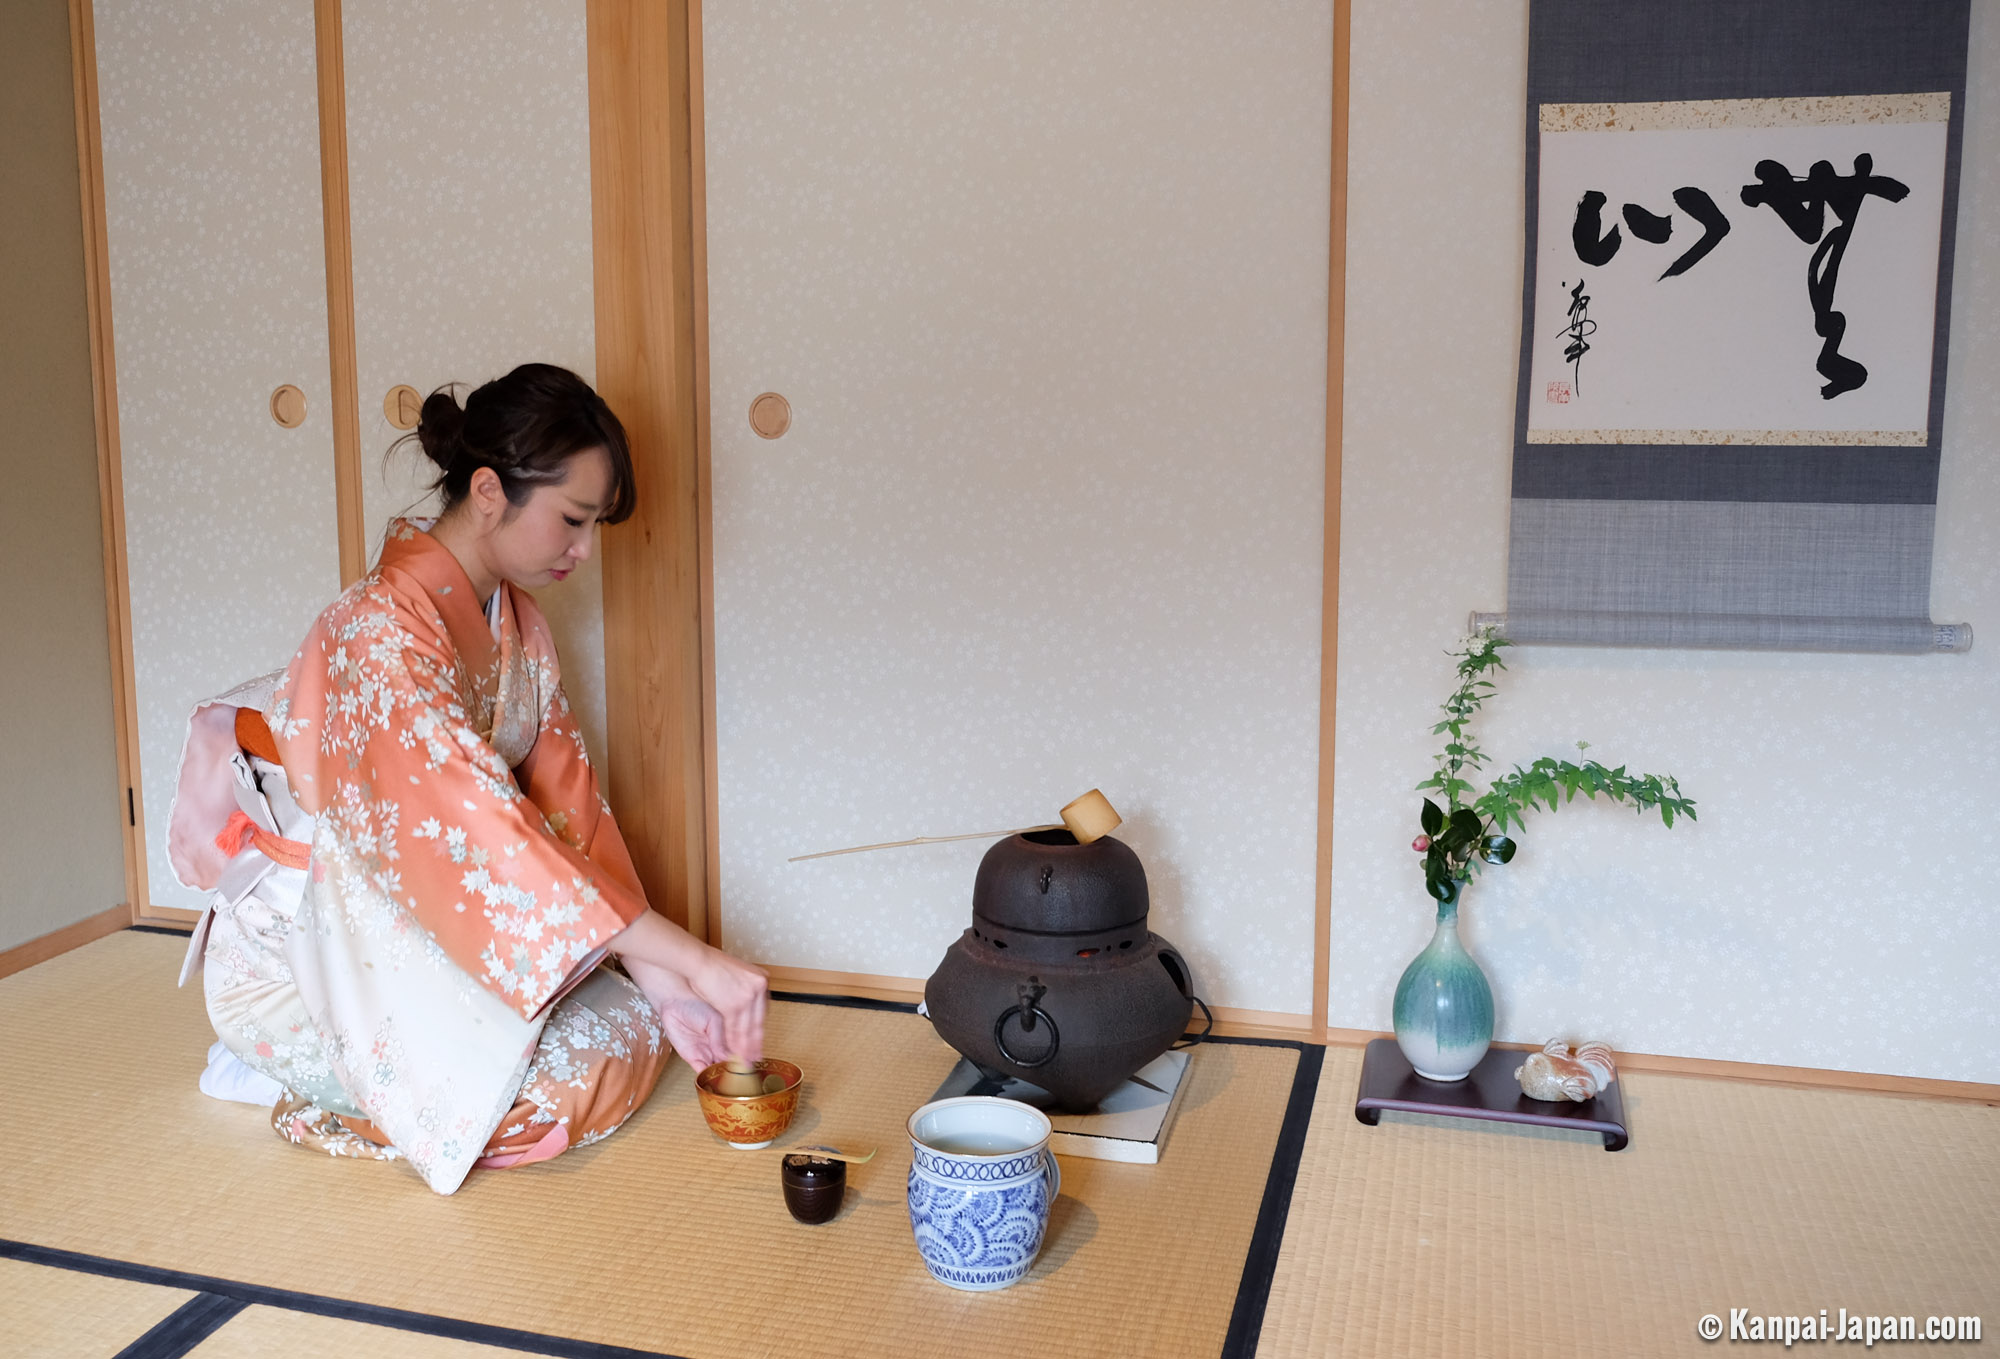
[
  {"x": 924, "y": 840},
  {"x": 1089, "y": 818}
]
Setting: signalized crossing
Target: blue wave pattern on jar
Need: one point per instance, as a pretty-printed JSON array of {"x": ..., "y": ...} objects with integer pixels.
[{"x": 976, "y": 1232}]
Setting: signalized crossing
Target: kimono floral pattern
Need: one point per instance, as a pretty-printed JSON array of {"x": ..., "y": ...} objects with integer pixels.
[
  {"x": 598, "y": 1057},
  {"x": 254, "y": 1003},
  {"x": 604, "y": 1041},
  {"x": 465, "y": 873}
]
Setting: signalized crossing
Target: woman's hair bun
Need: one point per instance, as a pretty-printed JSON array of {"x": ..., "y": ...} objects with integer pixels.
[
  {"x": 525, "y": 426},
  {"x": 441, "y": 428}
]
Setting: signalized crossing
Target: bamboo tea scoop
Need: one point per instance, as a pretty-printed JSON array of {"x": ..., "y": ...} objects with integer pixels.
[
  {"x": 1088, "y": 818},
  {"x": 829, "y": 1154}
]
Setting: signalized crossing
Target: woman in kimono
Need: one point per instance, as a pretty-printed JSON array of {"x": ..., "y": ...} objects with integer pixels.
[{"x": 418, "y": 888}]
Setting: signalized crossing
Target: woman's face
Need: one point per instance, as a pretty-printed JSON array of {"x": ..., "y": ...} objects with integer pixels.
[{"x": 552, "y": 534}]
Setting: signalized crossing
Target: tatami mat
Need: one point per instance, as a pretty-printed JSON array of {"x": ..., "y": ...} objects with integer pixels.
[
  {"x": 1418, "y": 1237},
  {"x": 260, "y": 1332},
  {"x": 1436, "y": 1237},
  {"x": 660, "y": 1238},
  {"x": 58, "y": 1312}
]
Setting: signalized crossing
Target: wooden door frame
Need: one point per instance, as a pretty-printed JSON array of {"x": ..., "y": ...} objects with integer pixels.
[
  {"x": 647, "y": 270},
  {"x": 1329, "y": 628},
  {"x": 343, "y": 371},
  {"x": 110, "y": 475}
]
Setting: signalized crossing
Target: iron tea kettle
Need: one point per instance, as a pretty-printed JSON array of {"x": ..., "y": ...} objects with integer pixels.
[{"x": 1058, "y": 982}]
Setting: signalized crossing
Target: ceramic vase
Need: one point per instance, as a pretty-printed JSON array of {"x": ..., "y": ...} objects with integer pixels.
[{"x": 1444, "y": 1008}]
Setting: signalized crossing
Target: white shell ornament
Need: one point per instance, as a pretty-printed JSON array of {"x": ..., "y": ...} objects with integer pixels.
[{"x": 1555, "y": 1073}]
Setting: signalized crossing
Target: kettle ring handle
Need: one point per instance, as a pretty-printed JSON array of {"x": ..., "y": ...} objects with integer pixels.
[{"x": 1027, "y": 1012}]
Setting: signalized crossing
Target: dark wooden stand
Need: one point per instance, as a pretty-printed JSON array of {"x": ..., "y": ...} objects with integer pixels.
[{"x": 1489, "y": 1092}]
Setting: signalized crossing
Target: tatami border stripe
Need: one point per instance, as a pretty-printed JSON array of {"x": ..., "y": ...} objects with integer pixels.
[
  {"x": 1260, "y": 1264},
  {"x": 194, "y": 1321},
  {"x": 256, "y": 1295},
  {"x": 907, "y": 1007}
]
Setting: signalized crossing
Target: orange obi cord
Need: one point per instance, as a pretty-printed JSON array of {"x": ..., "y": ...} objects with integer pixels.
[
  {"x": 241, "y": 830},
  {"x": 254, "y": 736}
]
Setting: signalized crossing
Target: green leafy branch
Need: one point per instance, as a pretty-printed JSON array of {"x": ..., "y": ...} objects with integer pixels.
[
  {"x": 1551, "y": 782},
  {"x": 1463, "y": 836}
]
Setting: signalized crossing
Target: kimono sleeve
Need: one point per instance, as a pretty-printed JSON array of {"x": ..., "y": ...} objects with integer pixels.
[
  {"x": 415, "y": 799},
  {"x": 558, "y": 778}
]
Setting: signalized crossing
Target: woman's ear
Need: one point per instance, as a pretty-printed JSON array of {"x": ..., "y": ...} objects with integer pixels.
[{"x": 487, "y": 494}]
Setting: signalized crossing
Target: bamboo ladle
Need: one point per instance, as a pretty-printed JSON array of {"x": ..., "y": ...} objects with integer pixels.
[{"x": 1090, "y": 817}]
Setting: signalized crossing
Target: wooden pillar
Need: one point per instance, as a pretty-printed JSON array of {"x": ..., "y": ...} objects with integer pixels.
[
  {"x": 1329, "y": 635},
  {"x": 342, "y": 373},
  {"x": 644, "y": 144}
]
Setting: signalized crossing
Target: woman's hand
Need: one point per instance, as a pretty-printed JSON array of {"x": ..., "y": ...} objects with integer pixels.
[
  {"x": 739, "y": 994},
  {"x": 693, "y": 1027},
  {"x": 679, "y": 973}
]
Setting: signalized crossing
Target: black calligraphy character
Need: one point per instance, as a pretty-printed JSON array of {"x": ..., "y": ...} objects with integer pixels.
[
  {"x": 1801, "y": 204},
  {"x": 1594, "y": 245},
  {"x": 1580, "y": 326},
  {"x": 1647, "y": 227},
  {"x": 1714, "y": 226}
]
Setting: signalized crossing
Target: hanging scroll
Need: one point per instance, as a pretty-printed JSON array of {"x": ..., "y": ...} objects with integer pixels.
[{"x": 1740, "y": 222}]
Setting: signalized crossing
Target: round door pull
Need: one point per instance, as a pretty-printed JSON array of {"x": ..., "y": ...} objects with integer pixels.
[
  {"x": 402, "y": 406},
  {"x": 770, "y": 415},
  {"x": 288, "y": 406}
]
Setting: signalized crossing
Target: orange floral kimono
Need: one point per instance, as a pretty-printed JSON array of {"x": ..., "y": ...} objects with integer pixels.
[{"x": 437, "y": 984}]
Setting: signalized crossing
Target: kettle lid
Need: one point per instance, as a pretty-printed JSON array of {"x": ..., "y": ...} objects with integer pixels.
[{"x": 1046, "y": 883}]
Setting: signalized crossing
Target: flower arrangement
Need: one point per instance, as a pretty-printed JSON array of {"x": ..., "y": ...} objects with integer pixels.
[{"x": 1460, "y": 837}]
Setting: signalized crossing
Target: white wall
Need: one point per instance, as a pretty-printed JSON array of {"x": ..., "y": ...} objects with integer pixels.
[
  {"x": 1046, "y": 287},
  {"x": 1834, "y": 906}
]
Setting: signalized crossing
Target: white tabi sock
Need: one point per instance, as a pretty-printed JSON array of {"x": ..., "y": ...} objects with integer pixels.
[{"x": 228, "y": 1078}]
